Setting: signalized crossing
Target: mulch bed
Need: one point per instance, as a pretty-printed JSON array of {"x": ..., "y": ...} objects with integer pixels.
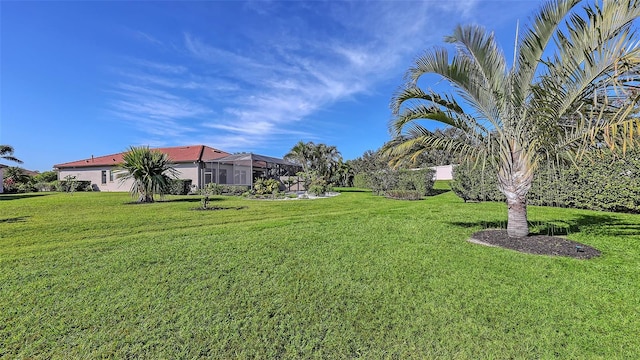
[{"x": 535, "y": 244}]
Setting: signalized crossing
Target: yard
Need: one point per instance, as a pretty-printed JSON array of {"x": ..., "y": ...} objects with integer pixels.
[{"x": 90, "y": 275}]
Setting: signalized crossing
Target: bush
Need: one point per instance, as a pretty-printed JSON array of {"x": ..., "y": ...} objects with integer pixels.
[
  {"x": 45, "y": 186},
  {"x": 319, "y": 186},
  {"x": 179, "y": 186},
  {"x": 361, "y": 181},
  {"x": 73, "y": 185},
  {"x": 266, "y": 186},
  {"x": 234, "y": 190},
  {"x": 382, "y": 180},
  {"x": 222, "y": 189},
  {"x": 419, "y": 180},
  {"x": 476, "y": 183},
  {"x": 404, "y": 194}
]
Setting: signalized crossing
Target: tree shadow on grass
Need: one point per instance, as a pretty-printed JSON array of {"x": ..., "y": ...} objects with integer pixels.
[
  {"x": 194, "y": 199},
  {"x": 354, "y": 190},
  {"x": 187, "y": 200},
  {"x": 436, "y": 192},
  {"x": 20, "y": 196},
  {"x": 604, "y": 224},
  {"x": 14, "y": 220}
]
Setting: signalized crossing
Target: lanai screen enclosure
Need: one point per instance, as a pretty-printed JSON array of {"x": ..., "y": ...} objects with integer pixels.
[{"x": 245, "y": 168}]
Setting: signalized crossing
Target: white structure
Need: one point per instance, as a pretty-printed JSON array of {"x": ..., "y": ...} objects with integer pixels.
[
  {"x": 444, "y": 172},
  {"x": 102, "y": 171},
  {"x": 199, "y": 163}
]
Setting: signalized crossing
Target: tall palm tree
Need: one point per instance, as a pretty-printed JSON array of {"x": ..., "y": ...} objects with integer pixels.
[
  {"x": 301, "y": 153},
  {"x": 325, "y": 160},
  {"x": 569, "y": 89},
  {"x": 150, "y": 170},
  {"x": 6, "y": 152}
]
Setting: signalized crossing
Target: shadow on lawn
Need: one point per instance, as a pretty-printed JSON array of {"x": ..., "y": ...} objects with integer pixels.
[
  {"x": 354, "y": 190},
  {"x": 20, "y": 196},
  {"x": 436, "y": 192},
  {"x": 14, "y": 220},
  {"x": 194, "y": 199},
  {"x": 188, "y": 200},
  {"x": 605, "y": 224}
]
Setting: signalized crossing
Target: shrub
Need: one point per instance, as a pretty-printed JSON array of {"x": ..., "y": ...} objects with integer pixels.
[
  {"x": 476, "y": 183},
  {"x": 361, "y": 181},
  {"x": 382, "y": 180},
  {"x": 179, "y": 186},
  {"x": 266, "y": 186},
  {"x": 234, "y": 190},
  {"x": 404, "y": 194},
  {"x": 610, "y": 182},
  {"x": 71, "y": 185},
  {"x": 420, "y": 180},
  {"x": 45, "y": 186},
  {"x": 319, "y": 187}
]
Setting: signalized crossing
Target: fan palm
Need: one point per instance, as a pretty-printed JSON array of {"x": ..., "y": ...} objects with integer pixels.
[
  {"x": 150, "y": 170},
  {"x": 572, "y": 86},
  {"x": 6, "y": 152}
]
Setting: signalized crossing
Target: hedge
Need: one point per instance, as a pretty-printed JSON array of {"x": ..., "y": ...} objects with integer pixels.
[
  {"x": 610, "y": 182},
  {"x": 383, "y": 181}
]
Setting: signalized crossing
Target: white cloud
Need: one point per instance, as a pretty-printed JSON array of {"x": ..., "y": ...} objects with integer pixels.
[{"x": 283, "y": 74}]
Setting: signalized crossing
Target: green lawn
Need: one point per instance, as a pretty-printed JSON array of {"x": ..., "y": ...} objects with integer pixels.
[{"x": 355, "y": 276}]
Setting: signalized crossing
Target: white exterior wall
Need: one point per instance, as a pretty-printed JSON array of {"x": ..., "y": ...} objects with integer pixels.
[
  {"x": 189, "y": 171},
  {"x": 94, "y": 174},
  {"x": 444, "y": 172}
]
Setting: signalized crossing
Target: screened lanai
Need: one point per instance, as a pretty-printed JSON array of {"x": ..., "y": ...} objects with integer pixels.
[{"x": 244, "y": 168}]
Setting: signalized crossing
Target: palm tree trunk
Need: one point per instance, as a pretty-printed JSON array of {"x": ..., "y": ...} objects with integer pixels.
[
  {"x": 517, "y": 225},
  {"x": 515, "y": 182}
]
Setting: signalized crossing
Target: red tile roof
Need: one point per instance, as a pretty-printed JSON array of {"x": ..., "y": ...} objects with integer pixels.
[{"x": 177, "y": 154}]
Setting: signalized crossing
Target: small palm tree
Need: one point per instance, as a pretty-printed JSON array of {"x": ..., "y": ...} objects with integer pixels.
[
  {"x": 6, "y": 152},
  {"x": 150, "y": 170},
  {"x": 570, "y": 89}
]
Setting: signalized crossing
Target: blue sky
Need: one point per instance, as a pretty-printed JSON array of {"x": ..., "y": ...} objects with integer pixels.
[{"x": 93, "y": 78}]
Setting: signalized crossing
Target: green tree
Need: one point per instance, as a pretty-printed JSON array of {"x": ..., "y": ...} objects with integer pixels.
[
  {"x": 317, "y": 160},
  {"x": 150, "y": 170},
  {"x": 6, "y": 153},
  {"x": 47, "y": 176},
  {"x": 301, "y": 154},
  {"x": 568, "y": 90},
  {"x": 16, "y": 175}
]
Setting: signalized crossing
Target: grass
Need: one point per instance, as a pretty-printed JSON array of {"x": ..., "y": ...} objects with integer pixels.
[{"x": 355, "y": 276}]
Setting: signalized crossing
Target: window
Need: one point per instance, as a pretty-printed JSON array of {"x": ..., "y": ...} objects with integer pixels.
[
  {"x": 110, "y": 175},
  {"x": 104, "y": 176},
  {"x": 223, "y": 176}
]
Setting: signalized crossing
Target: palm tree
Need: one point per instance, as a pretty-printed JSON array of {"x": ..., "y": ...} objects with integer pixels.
[
  {"x": 6, "y": 152},
  {"x": 150, "y": 170},
  {"x": 301, "y": 154},
  {"x": 568, "y": 90},
  {"x": 325, "y": 160}
]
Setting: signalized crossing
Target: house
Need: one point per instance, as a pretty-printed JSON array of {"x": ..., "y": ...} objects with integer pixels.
[
  {"x": 199, "y": 163},
  {"x": 102, "y": 171}
]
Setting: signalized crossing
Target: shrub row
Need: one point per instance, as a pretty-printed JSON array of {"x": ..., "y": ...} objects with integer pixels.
[
  {"x": 608, "y": 183},
  {"x": 408, "y": 182},
  {"x": 222, "y": 189}
]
